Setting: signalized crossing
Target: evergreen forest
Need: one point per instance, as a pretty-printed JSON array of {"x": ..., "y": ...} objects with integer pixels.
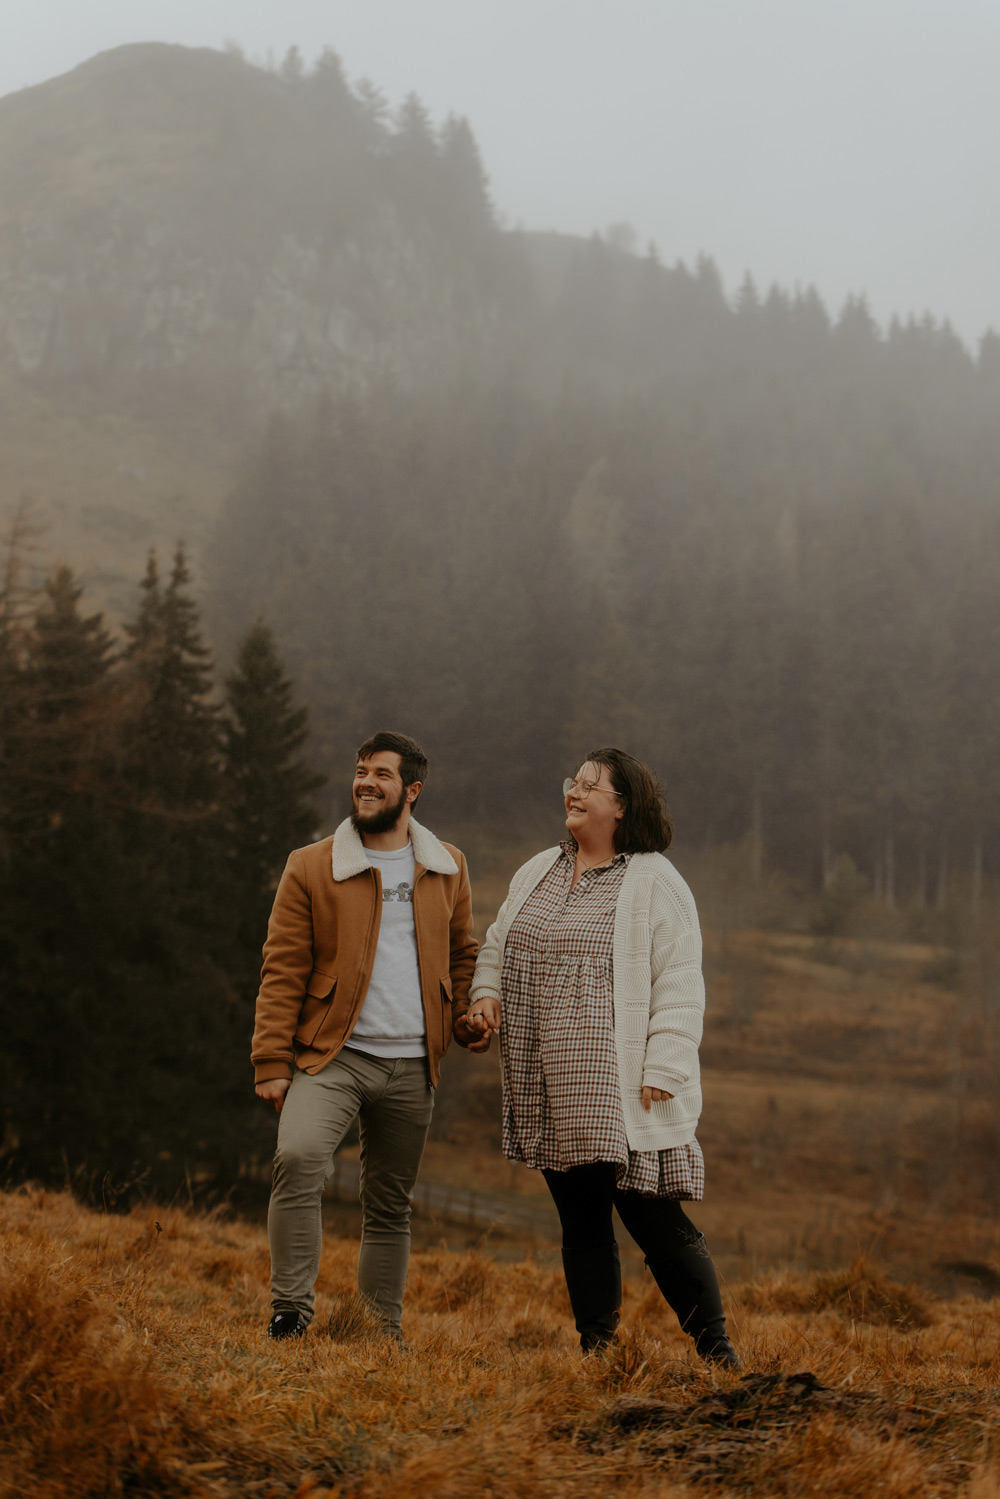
[{"x": 144, "y": 819}]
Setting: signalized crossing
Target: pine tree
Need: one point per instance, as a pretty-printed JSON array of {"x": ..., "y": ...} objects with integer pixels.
[
  {"x": 268, "y": 785},
  {"x": 174, "y": 763},
  {"x": 182, "y": 1096},
  {"x": 414, "y": 131},
  {"x": 467, "y": 184},
  {"x": 17, "y": 601},
  {"x": 292, "y": 70},
  {"x": 58, "y": 879},
  {"x": 66, "y": 682},
  {"x": 326, "y": 84}
]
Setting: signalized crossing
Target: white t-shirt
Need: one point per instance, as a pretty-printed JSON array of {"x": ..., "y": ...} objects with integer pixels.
[{"x": 391, "y": 1023}]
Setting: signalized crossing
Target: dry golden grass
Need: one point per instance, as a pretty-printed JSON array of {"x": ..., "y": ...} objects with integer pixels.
[
  {"x": 134, "y": 1361},
  {"x": 844, "y": 1199},
  {"x": 845, "y": 1094}
]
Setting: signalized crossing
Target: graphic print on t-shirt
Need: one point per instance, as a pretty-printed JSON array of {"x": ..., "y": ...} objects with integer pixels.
[{"x": 391, "y": 1022}]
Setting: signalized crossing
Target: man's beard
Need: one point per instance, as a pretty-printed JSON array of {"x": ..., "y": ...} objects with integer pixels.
[{"x": 382, "y": 821}]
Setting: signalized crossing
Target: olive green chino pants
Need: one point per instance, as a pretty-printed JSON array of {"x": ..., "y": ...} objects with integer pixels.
[{"x": 393, "y": 1103}]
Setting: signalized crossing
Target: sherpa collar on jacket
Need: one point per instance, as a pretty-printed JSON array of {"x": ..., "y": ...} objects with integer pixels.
[{"x": 350, "y": 857}]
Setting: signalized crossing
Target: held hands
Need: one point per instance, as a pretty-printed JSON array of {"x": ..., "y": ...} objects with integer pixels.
[
  {"x": 654, "y": 1095},
  {"x": 477, "y": 1027},
  {"x": 273, "y": 1091}
]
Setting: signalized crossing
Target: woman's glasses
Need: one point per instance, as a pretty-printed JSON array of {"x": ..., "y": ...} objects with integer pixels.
[{"x": 584, "y": 788}]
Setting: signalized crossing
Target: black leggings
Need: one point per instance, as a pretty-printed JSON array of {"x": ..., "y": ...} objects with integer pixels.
[{"x": 584, "y": 1197}]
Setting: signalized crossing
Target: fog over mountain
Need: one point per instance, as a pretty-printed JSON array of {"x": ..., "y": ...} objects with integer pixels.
[
  {"x": 843, "y": 143},
  {"x": 553, "y": 491},
  {"x": 187, "y": 241}
]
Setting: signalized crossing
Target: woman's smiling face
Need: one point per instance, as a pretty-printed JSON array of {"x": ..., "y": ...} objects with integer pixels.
[{"x": 594, "y": 816}]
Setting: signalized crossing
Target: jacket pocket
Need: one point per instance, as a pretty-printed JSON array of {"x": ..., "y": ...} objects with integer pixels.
[
  {"x": 445, "y": 1013},
  {"x": 315, "y": 1007}
]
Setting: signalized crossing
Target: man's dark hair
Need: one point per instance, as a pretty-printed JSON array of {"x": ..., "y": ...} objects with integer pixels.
[
  {"x": 413, "y": 761},
  {"x": 646, "y": 827}
]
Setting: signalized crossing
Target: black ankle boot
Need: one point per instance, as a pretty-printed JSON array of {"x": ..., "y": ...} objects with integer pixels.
[
  {"x": 690, "y": 1287},
  {"x": 594, "y": 1282}
]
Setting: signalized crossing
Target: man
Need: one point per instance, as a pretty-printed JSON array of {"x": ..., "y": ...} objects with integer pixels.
[{"x": 367, "y": 966}]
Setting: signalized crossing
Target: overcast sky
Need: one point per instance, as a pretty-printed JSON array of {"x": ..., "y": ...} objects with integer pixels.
[{"x": 847, "y": 143}]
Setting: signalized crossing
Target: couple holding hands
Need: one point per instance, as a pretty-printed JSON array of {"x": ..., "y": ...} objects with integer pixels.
[{"x": 591, "y": 979}]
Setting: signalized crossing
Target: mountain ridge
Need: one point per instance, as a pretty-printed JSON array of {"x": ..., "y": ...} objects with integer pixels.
[{"x": 188, "y": 242}]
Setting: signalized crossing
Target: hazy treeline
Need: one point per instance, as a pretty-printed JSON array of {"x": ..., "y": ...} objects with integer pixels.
[
  {"x": 142, "y": 826},
  {"x": 754, "y": 546},
  {"x": 340, "y": 148}
]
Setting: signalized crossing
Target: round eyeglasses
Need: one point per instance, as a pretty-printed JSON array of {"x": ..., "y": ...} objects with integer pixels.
[{"x": 584, "y": 788}]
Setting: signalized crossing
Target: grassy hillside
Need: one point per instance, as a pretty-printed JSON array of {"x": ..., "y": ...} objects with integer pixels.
[
  {"x": 134, "y": 1362},
  {"x": 859, "y": 1257}
]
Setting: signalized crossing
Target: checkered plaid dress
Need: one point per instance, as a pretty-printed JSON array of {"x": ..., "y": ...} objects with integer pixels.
[{"x": 562, "y": 1105}]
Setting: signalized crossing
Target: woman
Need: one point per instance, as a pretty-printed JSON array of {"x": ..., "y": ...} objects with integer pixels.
[{"x": 593, "y": 970}]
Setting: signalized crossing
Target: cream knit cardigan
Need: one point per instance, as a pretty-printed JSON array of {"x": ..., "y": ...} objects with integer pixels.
[{"x": 659, "y": 994}]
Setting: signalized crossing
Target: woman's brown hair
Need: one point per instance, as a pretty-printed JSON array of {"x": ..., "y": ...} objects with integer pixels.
[{"x": 645, "y": 827}]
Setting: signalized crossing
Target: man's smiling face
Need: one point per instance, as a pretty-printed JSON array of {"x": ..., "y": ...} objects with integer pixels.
[{"x": 378, "y": 795}]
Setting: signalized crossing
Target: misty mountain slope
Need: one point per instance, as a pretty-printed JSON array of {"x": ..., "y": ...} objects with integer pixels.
[
  {"x": 170, "y": 209},
  {"x": 186, "y": 242}
]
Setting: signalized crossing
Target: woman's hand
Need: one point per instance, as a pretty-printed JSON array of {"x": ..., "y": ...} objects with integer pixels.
[
  {"x": 654, "y": 1095},
  {"x": 477, "y": 1027}
]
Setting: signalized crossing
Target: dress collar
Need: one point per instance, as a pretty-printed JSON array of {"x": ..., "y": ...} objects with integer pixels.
[{"x": 570, "y": 848}]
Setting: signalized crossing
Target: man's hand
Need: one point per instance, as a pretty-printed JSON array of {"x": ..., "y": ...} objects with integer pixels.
[
  {"x": 654, "y": 1095},
  {"x": 273, "y": 1091},
  {"x": 477, "y": 1027}
]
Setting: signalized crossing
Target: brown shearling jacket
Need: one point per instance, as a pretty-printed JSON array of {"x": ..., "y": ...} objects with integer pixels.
[{"x": 321, "y": 942}]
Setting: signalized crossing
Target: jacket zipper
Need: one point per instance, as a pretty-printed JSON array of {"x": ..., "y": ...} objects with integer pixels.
[
  {"x": 376, "y": 905},
  {"x": 420, "y": 973}
]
